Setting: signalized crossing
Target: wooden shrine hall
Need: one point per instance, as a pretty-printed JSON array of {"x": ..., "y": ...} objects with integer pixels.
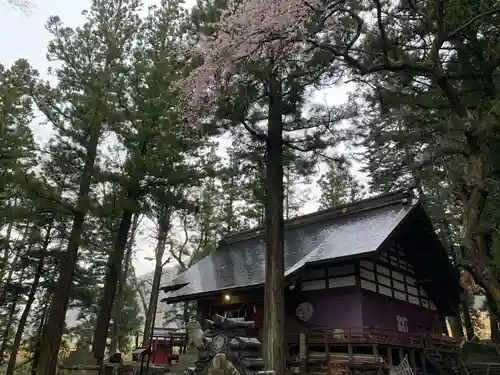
[{"x": 368, "y": 285}]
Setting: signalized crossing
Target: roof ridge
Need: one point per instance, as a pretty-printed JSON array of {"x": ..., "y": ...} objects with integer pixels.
[{"x": 382, "y": 200}]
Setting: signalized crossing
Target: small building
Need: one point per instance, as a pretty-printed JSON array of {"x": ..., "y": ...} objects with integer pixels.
[
  {"x": 166, "y": 345},
  {"x": 370, "y": 277}
]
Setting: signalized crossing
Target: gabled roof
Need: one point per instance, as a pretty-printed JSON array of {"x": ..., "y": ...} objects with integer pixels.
[{"x": 354, "y": 230}]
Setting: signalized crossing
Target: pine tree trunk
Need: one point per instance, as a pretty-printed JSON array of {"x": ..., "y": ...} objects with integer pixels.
[
  {"x": 153, "y": 301},
  {"x": 31, "y": 298},
  {"x": 11, "y": 319},
  {"x": 478, "y": 255},
  {"x": 274, "y": 309},
  {"x": 52, "y": 336},
  {"x": 229, "y": 217},
  {"x": 495, "y": 332},
  {"x": 114, "y": 268},
  {"x": 116, "y": 333},
  {"x": 6, "y": 330},
  {"x": 19, "y": 248},
  {"x": 286, "y": 193},
  {"x": 469, "y": 328},
  {"x": 38, "y": 343},
  {"x": 139, "y": 290},
  {"x": 5, "y": 258},
  {"x": 164, "y": 226},
  {"x": 8, "y": 279}
]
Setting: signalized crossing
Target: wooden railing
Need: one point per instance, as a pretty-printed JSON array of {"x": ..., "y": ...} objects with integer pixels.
[
  {"x": 374, "y": 335},
  {"x": 334, "y": 351}
]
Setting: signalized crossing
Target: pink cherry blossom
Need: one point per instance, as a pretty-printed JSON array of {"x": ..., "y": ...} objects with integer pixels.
[{"x": 247, "y": 32}]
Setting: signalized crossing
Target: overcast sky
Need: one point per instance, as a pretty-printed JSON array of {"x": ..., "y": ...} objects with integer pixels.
[{"x": 24, "y": 36}]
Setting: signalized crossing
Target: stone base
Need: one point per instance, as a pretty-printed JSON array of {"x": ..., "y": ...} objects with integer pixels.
[
  {"x": 80, "y": 362},
  {"x": 80, "y": 370}
]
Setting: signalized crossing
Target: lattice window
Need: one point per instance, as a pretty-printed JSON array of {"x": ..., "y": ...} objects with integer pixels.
[{"x": 394, "y": 277}]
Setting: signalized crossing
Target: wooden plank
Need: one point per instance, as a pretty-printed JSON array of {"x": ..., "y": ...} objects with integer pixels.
[{"x": 303, "y": 358}]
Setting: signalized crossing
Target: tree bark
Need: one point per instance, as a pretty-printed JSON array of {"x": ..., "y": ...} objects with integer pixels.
[
  {"x": 3, "y": 295},
  {"x": 31, "y": 298},
  {"x": 116, "y": 333},
  {"x": 6, "y": 330},
  {"x": 5, "y": 258},
  {"x": 274, "y": 323},
  {"x": 24, "y": 240},
  {"x": 469, "y": 328},
  {"x": 113, "y": 273},
  {"x": 41, "y": 326},
  {"x": 153, "y": 301},
  {"x": 139, "y": 290},
  {"x": 164, "y": 226},
  {"x": 11, "y": 316},
  {"x": 495, "y": 332},
  {"x": 52, "y": 335},
  {"x": 477, "y": 253}
]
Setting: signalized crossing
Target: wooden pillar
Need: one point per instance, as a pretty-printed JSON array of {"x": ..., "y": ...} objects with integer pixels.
[
  {"x": 327, "y": 348},
  {"x": 413, "y": 362},
  {"x": 389, "y": 357},
  {"x": 401, "y": 355},
  {"x": 303, "y": 354},
  {"x": 423, "y": 360},
  {"x": 200, "y": 316},
  {"x": 349, "y": 347},
  {"x": 375, "y": 357}
]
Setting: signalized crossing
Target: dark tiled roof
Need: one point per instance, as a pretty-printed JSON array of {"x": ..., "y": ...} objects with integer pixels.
[{"x": 351, "y": 230}]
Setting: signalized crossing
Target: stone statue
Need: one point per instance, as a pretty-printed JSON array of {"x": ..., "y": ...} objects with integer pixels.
[
  {"x": 227, "y": 343},
  {"x": 195, "y": 334}
]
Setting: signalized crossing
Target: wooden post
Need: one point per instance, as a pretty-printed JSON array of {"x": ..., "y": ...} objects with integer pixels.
[
  {"x": 327, "y": 349},
  {"x": 424, "y": 361},
  {"x": 389, "y": 357},
  {"x": 401, "y": 355},
  {"x": 350, "y": 351},
  {"x": 200, "y": 313},
  {"x": 413, "y": 362},
  {"x": 303, "y": 353},
  {"x": 375, "y": 357},
  {"x": 349, "y": 347},
  {"x": 375, "y": 351}
]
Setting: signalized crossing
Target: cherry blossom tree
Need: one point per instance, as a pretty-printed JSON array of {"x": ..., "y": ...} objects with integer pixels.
[
  {"x": 245, "y": 33},
  {"x": 254, "y": 75},
  {"x": 25, "y": 6}
]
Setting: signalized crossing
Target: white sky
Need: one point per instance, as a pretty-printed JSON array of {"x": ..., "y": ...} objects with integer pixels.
[{"x": 24, "y": 36}]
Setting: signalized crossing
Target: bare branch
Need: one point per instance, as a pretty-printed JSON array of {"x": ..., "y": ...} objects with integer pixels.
[{"x": 473, "y": 20}]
